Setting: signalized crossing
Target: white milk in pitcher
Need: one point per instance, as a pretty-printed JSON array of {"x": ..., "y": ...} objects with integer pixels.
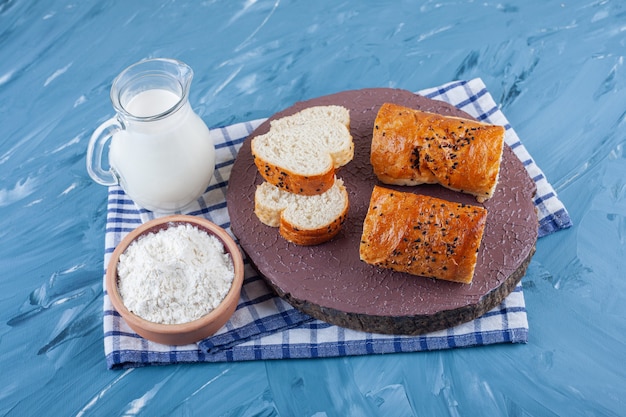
[
  {"x": 152, "y": 102},
  {"x": 165, "y": 164}
]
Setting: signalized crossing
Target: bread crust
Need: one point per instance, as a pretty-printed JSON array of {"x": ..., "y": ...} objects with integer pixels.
[
  {"x": 294, "y": 182},
  {"x": 422, "y": 235},
  {"x": 412, "y": 147},
  {"x": 310, "y": 237}
]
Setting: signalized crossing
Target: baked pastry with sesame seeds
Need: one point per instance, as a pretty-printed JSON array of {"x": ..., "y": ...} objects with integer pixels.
[
  {"x": 302, "y": 154},
  {"x": 412, "y": 147},
  {"x": 422, "y": 235},
  {"x": 301, "y": 219}
]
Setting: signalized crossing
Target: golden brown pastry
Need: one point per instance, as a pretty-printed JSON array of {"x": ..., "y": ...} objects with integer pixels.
[
  {"x": 411, "y": 147},
  {"x": 422, "y": 235},
  {"x": 303, "y": 219},
  {"x": 301, "y": 153}
]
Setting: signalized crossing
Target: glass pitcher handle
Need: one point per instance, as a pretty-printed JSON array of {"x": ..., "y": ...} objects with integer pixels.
[{"x": 95, "y": 149}]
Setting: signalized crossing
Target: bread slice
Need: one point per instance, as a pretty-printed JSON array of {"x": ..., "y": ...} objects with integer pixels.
[
  {"x": 303, "y": 220},
  {"x": 337, "y": 113},
  {"x": 302, "y": 156},
  {"x": 422, "y": 235},
  {"x": 412, "y": 147}
]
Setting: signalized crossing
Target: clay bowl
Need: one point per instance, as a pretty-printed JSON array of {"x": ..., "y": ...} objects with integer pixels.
[{"x": 185, "y": 333}]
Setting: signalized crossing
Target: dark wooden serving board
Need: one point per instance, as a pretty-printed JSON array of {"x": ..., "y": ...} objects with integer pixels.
[{"x": 331, "y": 283}]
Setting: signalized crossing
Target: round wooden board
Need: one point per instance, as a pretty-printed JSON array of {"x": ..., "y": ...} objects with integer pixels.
[{"x": 331, "y": 283}]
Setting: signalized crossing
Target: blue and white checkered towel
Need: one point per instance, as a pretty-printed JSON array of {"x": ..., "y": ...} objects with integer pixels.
[{"x": 266, "y": 327}]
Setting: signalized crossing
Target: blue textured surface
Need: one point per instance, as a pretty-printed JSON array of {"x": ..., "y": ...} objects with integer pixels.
[{"x": 556, "y": 68}]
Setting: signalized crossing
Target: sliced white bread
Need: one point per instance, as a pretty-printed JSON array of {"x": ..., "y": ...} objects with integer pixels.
[
  {"x": 303, "y": 158},
  {"x": 337, "y": 113},
  {"x": 303, "y": 220}
]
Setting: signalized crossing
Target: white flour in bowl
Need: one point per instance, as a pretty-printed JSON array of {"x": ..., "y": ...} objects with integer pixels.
[{"x": 174, "y": 276}]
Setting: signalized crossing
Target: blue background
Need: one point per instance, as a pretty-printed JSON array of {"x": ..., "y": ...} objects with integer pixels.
[{"x": 555, "y": 67}]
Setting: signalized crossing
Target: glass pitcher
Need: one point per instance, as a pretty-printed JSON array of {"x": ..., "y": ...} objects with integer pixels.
[{"x": 160, "y": 151}]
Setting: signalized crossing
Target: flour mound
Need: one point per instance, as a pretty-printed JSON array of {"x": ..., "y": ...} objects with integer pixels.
[{"x": 174, "y": 276}]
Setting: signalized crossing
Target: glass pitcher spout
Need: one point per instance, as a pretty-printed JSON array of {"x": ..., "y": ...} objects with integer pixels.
[{"x": 185, "y": 74}]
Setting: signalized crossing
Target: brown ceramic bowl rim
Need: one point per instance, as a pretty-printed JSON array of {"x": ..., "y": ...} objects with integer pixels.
[{"x": 219, "y": 314}]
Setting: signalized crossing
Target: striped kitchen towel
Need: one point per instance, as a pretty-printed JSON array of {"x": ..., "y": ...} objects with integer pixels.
[{"x": 266, "y": 327}]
